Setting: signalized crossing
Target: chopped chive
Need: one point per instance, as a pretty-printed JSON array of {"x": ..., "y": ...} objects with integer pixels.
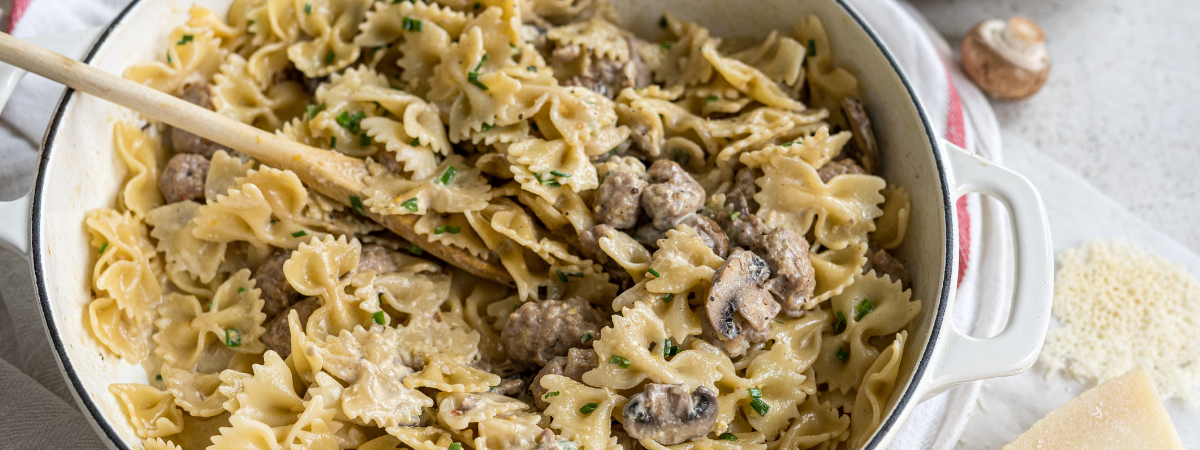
[
  {"x": 452, "y": 229},
  {"x": 454, "y": 446},
  {"x": 727, "y": 437},
  {"x": 812, "y": 48},
  {"x": 842, "y": 355},
  {"x": 103, "y": 247},
  {"x": 755, "y": 392},
  {"x": 308, "y": 8},
  {"x": 665, "y": 45},
  {"x": 351, "y": 121},
  {"x": 241, "y": 290},
  {"x": 233, "y": 337},
  {"x": 575, "y": 274},
  {"x": 550, "y": 394},
  {"x": 378, "y": 317},
  {"x": 586, "y": 337},
  {"x": 274, "y": 221},
  {"x": 669, "y": 348},
  {"x": 863, "y": 307},
  {"x": 412, "y": 248},
  {"x": 588, "y": 408},
  {"x": 667, "y": 298},
  {"x": 532, "y": 69},
  {"x": 481, "y": 61},
  {"x": 486, "y": 127},
  {"x": 560, "y": 174},
  {"x": 733, "y": 216},
  {"x": 562, "y": 276},
  {"x": 168, "y": 56},
  {"x": 311, "y": 111},
  {"x": 410, "y": 24},
  {"x": 415, "y": 142},
  {"x": 250, "y": 23},
  {"x": 654, "y": 272},
  {"x": 333, "y": 142},
  {"x": 662, "y": 22},
  {"x": 473, "y": 78},
  {"x": 448, "y": 176},
  {"x": 760, "y": 406},
  {"x": 364, "y": 140},
  {"x": 712, "y": 98},
  {"x": 410, "y": 204},
  {"x": 380, "y": 299},
  {"x": 788, "y": 144},
  {"x": 357, "y": 205},
  {"x": 329, "y": 57},
  {"x": 158, "y": 377},
  {"x": 620, "y": 361},
  {"x": 186, "y": 38},
  {"x": 840, "y": 325},
  {"x": 299, "y": 233}
]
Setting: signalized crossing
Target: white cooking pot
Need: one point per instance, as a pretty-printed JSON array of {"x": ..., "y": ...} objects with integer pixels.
[{"x": 79, "y": 171}]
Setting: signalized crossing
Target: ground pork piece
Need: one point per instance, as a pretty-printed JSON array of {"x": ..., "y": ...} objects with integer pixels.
[
  {"x": 619, "y": 200},
  {"x": 608, "y": 77},
  {"x": 278, "y": 336},
  {"x": 538, "y": 331},
  {"x": 792, "y": 276},
  {"x": 863, "y": 146},
  {"x": 673, "y": 195},
  {"x": 277, "y": 294},
  {"x": 745, "y": 187},
  {"x": 184, "y": 142},
  {"x": 744, "y": 230},
  {"x": 668, "y": 414},
  {"x": 577, "y": 362},
  {"x": 883, "y": 263},
  {"x": 388, "y": 160},
  {"x": 710, "y": 232},
  {"x": 511, "y": 387},
  {"x": 375, "y": 257},
  {"x": 840, "y": 167},
  {"x": 183, "y": 178}
]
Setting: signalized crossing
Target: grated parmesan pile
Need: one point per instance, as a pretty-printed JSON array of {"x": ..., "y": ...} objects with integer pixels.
[{"x": 1122, "y": 307}]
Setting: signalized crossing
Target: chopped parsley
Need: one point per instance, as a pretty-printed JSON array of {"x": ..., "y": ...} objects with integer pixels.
[
  {"x": 532, "y": 69},
  {"x": 620, "y": 361},
  {"x": 667, "y": 298},
  {"x": 665, "y": 45},
  {"x": 863, "y": 307},
  {"x": 662, "y": 22},
  {"x": 454, "y": 446},
  {"x": 415, "y": 142},
  {"x": 329, "y": 57},
  {"x": 103, "y": 247},
  {"x": 357, "y": 206},
  {"x": 812, "y": 48},
  {"x": 364, "y": 140},
  {"x": 842, "y": 355},
  {"x": 840, "y": 325},
  {"x": 654, "y": 272},
  {"x": 352, "y": 122},
  {"x": 308, "y": 8},
  {"x": 158, "y": 377},
  {"x": 712, "y": 98},
  {"x": 410, "y": 204},
  {"x": 241, "y": 290},
  {"x": 300, "y": 233},
  {"x": 669, "y": 348},
  {"x": 550, "y": 394},
  {"x": 486, "y": 127},
  {"x": 412, "y": 248},
  {"x": 586, "y": 337},
  {"x": 447, "y": 176},
  {"x": 560, "y": 174},
  {"x": 233, "y": 337},
  {"x": 411, "y": 24},
  {"x": 761, "y": 407},
  {"x": 186, "y": 38},
  {"x": 311, "y": 111},
  {"x": 333, "y": 142},
  {"x": 733, "y": 216},
  {"x": 588, "y": 408},
  {"x": 168, "y": 56},
  {"x": 442, "y": 229},
  {"x": 727, "y": 437},
  {"x": 378, "y": 317}
]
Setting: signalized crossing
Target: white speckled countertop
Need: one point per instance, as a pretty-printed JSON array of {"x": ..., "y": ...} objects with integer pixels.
[{"x": 1121, "y": 105}]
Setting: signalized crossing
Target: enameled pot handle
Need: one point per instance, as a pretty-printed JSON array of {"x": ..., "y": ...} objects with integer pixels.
[
  {"x": 14, "y": 215},
  {"x": 959, "y": 358}
]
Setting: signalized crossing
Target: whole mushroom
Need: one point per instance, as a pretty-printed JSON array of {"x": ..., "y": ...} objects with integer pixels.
[{"x": 1008, "y": 60}]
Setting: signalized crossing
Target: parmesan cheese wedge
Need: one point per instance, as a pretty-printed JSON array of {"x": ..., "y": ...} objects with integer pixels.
[{"x": 1121, "y": 413}]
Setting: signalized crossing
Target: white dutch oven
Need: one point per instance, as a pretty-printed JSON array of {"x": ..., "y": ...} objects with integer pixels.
[{"x": 79, "y": 171}]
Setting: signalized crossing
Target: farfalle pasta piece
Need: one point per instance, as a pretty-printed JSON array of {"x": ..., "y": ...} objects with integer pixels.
[
  {"x": 515, "y": 224},
  {"x": 234, "y": 317},
  {"x": 123, "y": 271},
  {"x": 840, "y": 212},
  {"x": 681, "y": 262},
  {"x": 587, "y": 281},
  {"x": 583, "y": 414},
  {"x": 819, "y": 426},
  {"x": 193, "y": 54},
  {"x": 421, "y": 438},
  {"x": 760, "y": 127},
  {"x": 626, "y": 358},
  {"x": 744, "y": 441},
  {"x": 331, "y": 26},
  {"x": 452, "y": 229},
  {"x": 652, "y": 113},
  {"x": 325, "y": 269},
  {"x": 777, "y": 376},
  {"x": 184, "y": 252},
  {"x": 876, "y": 389},
  {"x": 195, "y": 392},
  {"x": 317, "y": 427},
  {"x": 891, "y": 227},
  {"x": 410, "y": 127},
  {"x": 453, "y": 187},
  {"x": 834, "y": 270},
  {"x": 749, "y": 80},
  {"x": 460, "y": 409},
  {"x": 418, "y": 295},
  {"x": 555, "y": 162},
  {"x": 509, "y": 431},
  {"x": 152, "y": 412},
  {"x": 629, "y": 253},
  {"x": 779, "y": 57},
  {"x": 385, "y": 24},
  {"x": 446, "y": 375},
  {"x": 142, "y": 155},
  {"x": 816, "y": 150},
  {"x": 597, "y": 36},
  {"x": 237, "y": 95},
  {"x": 683, "y": 62},
  {"x": 338, "y": 125},
  {"x": 267, "y": 396},
  {"x": 872, "y": 306},
  {"x": 828, "y": 85},
  {"x": 119, "y": 333},
  {"x": 159, "y": 444},
  {"x": 569, "y": 210},
  {"x": 248, "y": 213},
  {"x": 678, "y": 317},
  {"x": 224, "y": 171}
]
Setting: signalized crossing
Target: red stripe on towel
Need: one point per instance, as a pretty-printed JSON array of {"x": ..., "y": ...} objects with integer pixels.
[
  {"x": 18, "y": 10},
  {"x": 956, "y": 133}
]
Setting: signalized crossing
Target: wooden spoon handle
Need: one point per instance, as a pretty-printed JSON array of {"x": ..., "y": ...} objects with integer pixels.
[{"x": 328, "y": 172}]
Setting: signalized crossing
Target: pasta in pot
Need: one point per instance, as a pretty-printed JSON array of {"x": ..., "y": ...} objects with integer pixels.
[{"x": 699, "y": 261}]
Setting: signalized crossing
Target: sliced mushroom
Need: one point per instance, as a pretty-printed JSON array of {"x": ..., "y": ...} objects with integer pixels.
[
  {"x": 793, "y": 278},
  {"x": 668, "y": 414},
  {"x": 865, "y": 149},
  {"x": 738, "y": 295}
]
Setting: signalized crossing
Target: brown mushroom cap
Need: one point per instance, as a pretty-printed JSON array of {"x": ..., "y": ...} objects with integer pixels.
[
  {"x": 669, "y": 414},
  {"x": 1008, "y": 60},
  {"x": 738, "y": 289}
]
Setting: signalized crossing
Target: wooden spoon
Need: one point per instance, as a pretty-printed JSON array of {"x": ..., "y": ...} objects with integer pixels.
[{"x": 328, "y": 172}]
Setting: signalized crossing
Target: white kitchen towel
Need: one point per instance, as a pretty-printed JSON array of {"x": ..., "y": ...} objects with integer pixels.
[{"x": 41, "y": 414}]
